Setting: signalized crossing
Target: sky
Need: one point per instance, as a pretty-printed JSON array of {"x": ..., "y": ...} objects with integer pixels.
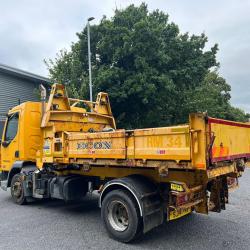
[{"x": 34, "y": 30}]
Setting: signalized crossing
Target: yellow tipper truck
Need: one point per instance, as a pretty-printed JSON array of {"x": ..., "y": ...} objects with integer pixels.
[{"x": 63, "y": 148}]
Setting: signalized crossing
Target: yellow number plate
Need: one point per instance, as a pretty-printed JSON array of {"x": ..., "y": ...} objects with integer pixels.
[
  {"x": 176, "y": 187},
  {"x": 175, "y": 214}
]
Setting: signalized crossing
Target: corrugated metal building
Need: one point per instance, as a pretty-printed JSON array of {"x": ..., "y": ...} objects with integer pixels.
[{"x": 17, "y": 86}]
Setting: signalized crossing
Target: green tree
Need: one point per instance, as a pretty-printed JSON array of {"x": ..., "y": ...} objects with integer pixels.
[
  {"x": 153, "y": 74},
  {"x": 213, "y": 97}
]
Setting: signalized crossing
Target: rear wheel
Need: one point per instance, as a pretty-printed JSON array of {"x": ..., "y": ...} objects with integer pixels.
[
  {"x": 17, "y": 190},
  {"x": 121, "y": 216}
]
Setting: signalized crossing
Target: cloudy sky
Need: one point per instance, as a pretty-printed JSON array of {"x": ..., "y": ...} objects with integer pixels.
[{"x": 33, "y": 30}]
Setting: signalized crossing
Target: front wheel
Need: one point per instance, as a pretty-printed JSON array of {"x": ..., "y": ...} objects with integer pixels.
[
  {"x": 17, "y": 189},
  {"x": 121, "y": 216}
]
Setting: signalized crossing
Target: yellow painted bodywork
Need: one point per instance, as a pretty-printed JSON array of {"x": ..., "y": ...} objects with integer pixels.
[
  {"x": 68, "y": 134},
  {"x": 170, "y": 147},
  {"x": 78, "y": 132},
  {"x": 144, "y": 144},
  {"x": 28, "y": 139},
  {"x": 232, "y": 140},
  {"x": 80, "y": 137}
]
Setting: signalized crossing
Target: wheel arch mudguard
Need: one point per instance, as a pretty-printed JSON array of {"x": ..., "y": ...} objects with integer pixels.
[
  {"x": 17, "y": 168},
  {"x": 146, "y": 195}
]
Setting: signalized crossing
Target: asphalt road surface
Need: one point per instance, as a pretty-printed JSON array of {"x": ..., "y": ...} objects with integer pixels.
[{"x": 55, "y": 225}]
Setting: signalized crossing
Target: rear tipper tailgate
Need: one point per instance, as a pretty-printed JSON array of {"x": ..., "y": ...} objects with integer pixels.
[
  {"x": 216, "y": 141},
  {"x": 230, "y": 140}
]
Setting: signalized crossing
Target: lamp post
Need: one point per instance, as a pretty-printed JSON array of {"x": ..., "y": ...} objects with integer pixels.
[{"x": 89, "y": 57}]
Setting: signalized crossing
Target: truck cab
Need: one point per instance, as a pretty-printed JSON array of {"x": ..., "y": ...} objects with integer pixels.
[{"x": 21, "y": 138}]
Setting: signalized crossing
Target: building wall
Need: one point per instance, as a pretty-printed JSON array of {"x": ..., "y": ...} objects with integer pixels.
[{"x": 14, "y": 90}]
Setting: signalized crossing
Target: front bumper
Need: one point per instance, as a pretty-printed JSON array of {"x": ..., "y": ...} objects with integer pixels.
[
  {"x": 3, "y": 185},
  {"x": 4, "y": 180}
]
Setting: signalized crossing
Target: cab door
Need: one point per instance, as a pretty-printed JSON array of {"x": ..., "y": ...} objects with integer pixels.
[{"x": 10, "y": 142}]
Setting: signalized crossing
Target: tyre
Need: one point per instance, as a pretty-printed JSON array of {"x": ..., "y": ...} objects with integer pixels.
[
  {"x": 121, "y": 216},
  {"x": 17, "y": 190}
]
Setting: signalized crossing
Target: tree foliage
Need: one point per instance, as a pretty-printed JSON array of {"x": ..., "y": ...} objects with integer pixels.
[
  {"x": 154, "y": 75},
  {"x": 213, "y": 97}
]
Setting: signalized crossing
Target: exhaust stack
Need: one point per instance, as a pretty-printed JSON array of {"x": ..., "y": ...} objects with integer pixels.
[{"x": 43, "y": 99}]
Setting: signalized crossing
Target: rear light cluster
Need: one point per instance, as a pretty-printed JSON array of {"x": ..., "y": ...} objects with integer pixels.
[
  {"x": 182, "y": 199},
  {"x": 178, "y": 199}
]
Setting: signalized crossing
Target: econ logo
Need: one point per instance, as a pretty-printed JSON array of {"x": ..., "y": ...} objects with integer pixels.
[{"x": 94, "y": 145}]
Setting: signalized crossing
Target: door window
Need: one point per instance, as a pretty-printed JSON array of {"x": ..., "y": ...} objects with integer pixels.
[
  {"x": 12, "y": 127},
  {"x": 1, "y": 128}
]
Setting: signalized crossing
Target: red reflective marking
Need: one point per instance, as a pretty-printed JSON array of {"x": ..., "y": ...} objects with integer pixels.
[
  {"x": 231, "y": 157},
  {"x": 231, "y": 123}
]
